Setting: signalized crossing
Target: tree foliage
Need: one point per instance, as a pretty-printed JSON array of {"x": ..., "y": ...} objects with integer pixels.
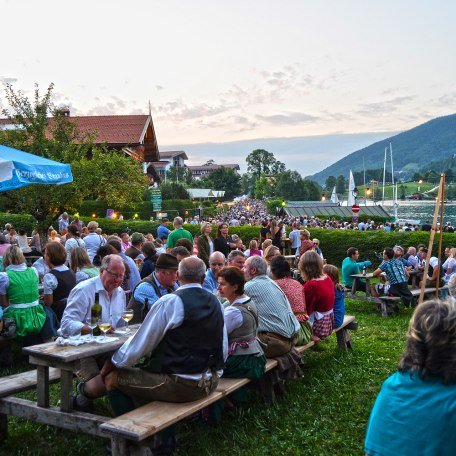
[
  {"x": 330, "y": 182},
  {"x": 179, "y": 174},
  {"x": 340, "y": 184},
  {"x": 174, "y": 190},
  {"x": 264, "y": 187},
  {"x": 224, "y": 179},
  {"x": 261, "y": 162}
]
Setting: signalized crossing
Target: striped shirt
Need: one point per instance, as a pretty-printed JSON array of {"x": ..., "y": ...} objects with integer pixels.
[
  {"x": 274, "y": 310},
  {"x": 394, "y": 271}
]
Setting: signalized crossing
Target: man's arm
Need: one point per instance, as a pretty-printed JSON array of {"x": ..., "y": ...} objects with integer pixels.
[
  {"x": 166, "y": 314},
  {"x": 377, "y": 272}
]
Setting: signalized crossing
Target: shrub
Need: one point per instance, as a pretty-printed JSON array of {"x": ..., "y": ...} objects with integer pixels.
[{"x": 18, "y": 221}]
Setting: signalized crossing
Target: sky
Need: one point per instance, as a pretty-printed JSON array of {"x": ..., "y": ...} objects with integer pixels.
[{"x": 216, "y": 71}]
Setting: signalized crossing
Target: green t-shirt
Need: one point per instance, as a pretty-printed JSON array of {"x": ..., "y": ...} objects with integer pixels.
[{"x": 177, "y": 234}]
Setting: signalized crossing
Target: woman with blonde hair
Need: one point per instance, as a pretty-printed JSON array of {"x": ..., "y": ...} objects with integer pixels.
[
  {"x": 319, "y": 292},
  {"x": 415, "y": 411},
  {"x": 205, "y": 243},
  {"x": 306, "y": 242},
  {"x": 81, "y": 265},
  {"x": 54, "y": 236},
  {"x": 271, "y": 252},
  {"x": 19, "y": 293}
]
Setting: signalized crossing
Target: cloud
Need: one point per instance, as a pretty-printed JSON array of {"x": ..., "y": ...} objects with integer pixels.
[
  {"x": 6, "y": 80},
  {"x": 159, "y": 87},
  {"x": 292, "y": 118},
  {"x": 383, "y": 107},
  {"x": 447, "y": 99}
]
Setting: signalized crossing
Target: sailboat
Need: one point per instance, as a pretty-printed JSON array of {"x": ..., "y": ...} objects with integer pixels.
[
  {"x": 334, "y": 198},
  {"x": 351, "y": 187}
]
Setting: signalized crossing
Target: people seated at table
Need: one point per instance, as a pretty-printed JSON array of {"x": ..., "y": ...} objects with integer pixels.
[
  {"x": 350, "y": 265},
  {"x": 205, "y": 243},
  {"x": 35, "y": 243},
  {"x": 59, "y": 281},
  {"x": 161, "y": 282},
  {"x": 22, "y": 242},
  {"x": 245, "y": 355},
  {"x": 339, "y": 294},
  {"x": 397, "y": 276},
  {"x": 150, "y": 257},
  {"x": 294, "y": 291},
  {"x": 381, "y": 288},
  {"x": 80, "y": 264},
  {"x": 449, "y": 266},
  {"x": 236, "y": 258},
  {"x": 216, "y": 264},
  {"x": 177, "y": 354},
  {"x": 435, "y": 274},
  {"x": 277, "y": 325},
  {"x": 415, "y": 411},
  {"x": 319, "y": 292},
  {"x": 134, "y": 251},
  {"x": 19, "y": 293},
  {"x": 412, "y": 257}
]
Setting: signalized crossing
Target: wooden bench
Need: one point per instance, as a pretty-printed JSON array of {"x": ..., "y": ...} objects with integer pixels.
[
  {"x": 429, "y": 293},
  {"x": 139, "y": 425}
]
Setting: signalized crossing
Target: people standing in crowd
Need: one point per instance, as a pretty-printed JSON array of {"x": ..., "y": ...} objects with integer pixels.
[
  {"x": 397, "y": 276},
  {"x": 319, "y": 292},
  {"x": 64, "y": 222},
  {"x": 294, "y": 238},
  {"x": 316, "y": 243},
  {"x": 163, "y": 230},
  {"x": 277, "y": 325},
  {"x": 253, "y": 249},
  {"x": 216, "y": 263},
  {"x": 93, "y": 241},
  {"x": 223, "y": 242},
  {"x": 350, "y": 265},
  {"x": 306, "y": 242},
  {"x": 59, "y": 281},
  {"x": 415, "y": 411},
  {"x": 275, "y": 233},
  {"x": 236, "y": 258},
  {"x": 125, "y": 242},
  {"x": 205, "y": 243},
  {"x": 54, "y": 237},
  {"x": 178, "y": 233}
]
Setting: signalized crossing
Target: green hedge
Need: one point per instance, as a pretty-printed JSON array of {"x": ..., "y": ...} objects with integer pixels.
[{"x": 18, "y": 221}]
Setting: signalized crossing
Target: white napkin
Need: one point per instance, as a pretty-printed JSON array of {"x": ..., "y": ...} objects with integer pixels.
[{"x": 86, "y": 339}]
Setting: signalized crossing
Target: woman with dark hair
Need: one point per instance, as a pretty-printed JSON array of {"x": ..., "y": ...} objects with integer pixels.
[
  {"x": 275, "y": 234},
  {"x": 294, "y": 291},
  {"x": 319, "y": 293},
  {"x": 415, "y": 411},
  {"x": 59, "y": 281},
  {"x": 223, "y": 243},
  {"x": 245, "y": 356},
  {"x": 150, "y": 257}
]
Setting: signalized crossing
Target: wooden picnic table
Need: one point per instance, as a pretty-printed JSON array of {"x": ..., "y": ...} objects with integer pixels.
[
  {"x": 65, "y": 357},
  {"x": 367, "y": 278}
]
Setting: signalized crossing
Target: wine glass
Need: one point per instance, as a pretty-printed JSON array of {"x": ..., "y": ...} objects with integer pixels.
[
  {"x": 104, "y": 325},
  {"x": 127, "y": 315},
  {"x": 92, "y": 323}
]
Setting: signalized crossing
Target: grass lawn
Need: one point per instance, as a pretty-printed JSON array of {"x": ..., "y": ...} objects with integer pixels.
[{"x": 325, "y": 413}]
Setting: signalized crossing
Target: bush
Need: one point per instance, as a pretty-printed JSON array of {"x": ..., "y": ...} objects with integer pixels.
[{"x": 27, "y": 222}]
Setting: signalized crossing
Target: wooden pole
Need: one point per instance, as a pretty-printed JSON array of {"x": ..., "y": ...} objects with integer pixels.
[
  {"x": 431, "y": 239},
  {"x": 439, "y": 256}
]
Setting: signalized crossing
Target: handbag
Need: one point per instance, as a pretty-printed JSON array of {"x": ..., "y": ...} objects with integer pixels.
[{"x": 304, "y": 334}]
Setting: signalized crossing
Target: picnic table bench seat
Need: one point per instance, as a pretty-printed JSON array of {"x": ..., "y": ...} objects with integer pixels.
[
  {"x": 139, "y": 425},
  {"x": 24, "y": 381}
]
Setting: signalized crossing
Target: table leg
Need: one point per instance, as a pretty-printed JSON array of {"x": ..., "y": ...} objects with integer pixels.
[
  {"x": 368, "y": 287},
  {"x": 3, "y": 427},
  {"x": 354, "y": 285},
  {"x": 66, "y": 390},
  {"x": 42, "y": 386}
]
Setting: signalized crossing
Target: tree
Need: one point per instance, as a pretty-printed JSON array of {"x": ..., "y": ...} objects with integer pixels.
[
  {"x": 224, "y": 179},
  {"x": 174, "y": 190},
  {"x": 290, "y": 185},
  {"x": 209, "y": 162},
  {"x": 313, "y": 190},
  {"x": 248, "y": 184},
  {"x": 340, "y": 185},
  {"x": 59, "y": 140},
  {"x": 330, "y": 182},
  {"x": 260, "y": 162},
  {"x": 179, "y": 174},
  {"x": 402, "y": 189},
  {"x": 264, "y": 187}
]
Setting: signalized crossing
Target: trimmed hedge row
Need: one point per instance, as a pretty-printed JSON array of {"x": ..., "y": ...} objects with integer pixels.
[{"x": 18, "y": 221}]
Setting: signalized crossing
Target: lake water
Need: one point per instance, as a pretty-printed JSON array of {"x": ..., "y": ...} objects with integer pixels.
[{"x": 422, "y": 211}]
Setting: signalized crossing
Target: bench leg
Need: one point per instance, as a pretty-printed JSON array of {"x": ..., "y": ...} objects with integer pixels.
[
  {"x": 344, "y": 341},
  {"x": 118, "y": 446},
  {"x": 3, "y": 427},
  {"x": 384, "y": 309}
]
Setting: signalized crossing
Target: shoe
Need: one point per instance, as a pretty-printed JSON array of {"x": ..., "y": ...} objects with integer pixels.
[{"x": 82, "y": 404}]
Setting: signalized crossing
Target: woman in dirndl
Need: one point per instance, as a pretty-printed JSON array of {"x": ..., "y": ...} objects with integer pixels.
[{"x": 19, "y": 293}]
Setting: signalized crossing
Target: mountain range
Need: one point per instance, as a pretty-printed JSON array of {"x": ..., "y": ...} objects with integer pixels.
[{"x": 431, "y": 145}]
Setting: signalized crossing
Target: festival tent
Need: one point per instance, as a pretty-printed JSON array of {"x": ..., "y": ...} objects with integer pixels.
[{"x": 18, "y": 169}]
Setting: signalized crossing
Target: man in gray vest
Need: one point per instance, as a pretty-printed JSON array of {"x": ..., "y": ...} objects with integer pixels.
[{"x": 277, "y": 325}]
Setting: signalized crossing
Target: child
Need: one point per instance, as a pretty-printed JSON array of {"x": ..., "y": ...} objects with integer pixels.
[
  {"x": 339, "y": 299},
  {"x": 253, "y": 249}
]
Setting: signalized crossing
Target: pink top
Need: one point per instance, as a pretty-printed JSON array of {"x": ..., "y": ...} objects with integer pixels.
[
  {"x": 255, "y": 252},
  {"x": 3, "y": 247},
  {"x": 294, "y": 291}
]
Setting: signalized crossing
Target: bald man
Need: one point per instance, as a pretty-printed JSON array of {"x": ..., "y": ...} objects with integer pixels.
[{"x": 216, "y": 263}]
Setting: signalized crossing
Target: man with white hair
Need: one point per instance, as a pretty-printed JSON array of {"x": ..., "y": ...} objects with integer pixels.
[
  {"x": 277, "y": 325},
  {"x": 178, "y": 233}
]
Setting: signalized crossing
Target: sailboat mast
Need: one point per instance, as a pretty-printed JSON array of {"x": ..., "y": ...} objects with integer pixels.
[
  {"x": 384, "y": 171},
  {"x": 392, "y": 166}
]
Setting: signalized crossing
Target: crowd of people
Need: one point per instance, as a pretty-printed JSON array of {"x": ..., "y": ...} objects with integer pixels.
[{"x": 207, "y": 306}]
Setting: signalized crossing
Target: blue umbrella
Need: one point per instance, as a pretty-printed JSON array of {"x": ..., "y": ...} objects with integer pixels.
[{"x": 18, "y": 169}]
